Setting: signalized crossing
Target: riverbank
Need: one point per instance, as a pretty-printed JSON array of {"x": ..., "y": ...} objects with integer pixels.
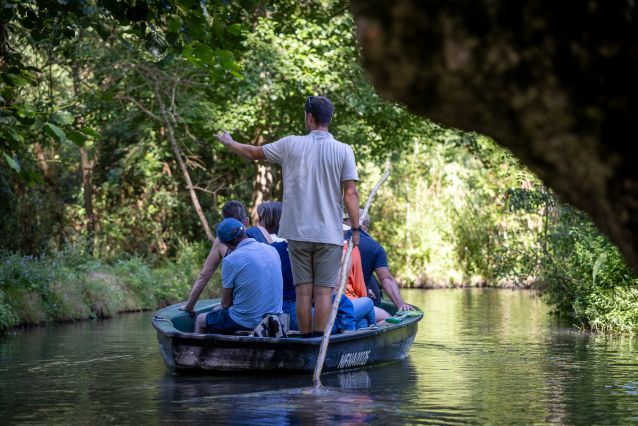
[
  {"x": 69, "y": 286},
  {"x": 473, "y": 282}
]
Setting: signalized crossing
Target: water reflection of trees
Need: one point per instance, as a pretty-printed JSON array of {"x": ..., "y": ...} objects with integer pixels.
[{"x": 500, "y": 358}]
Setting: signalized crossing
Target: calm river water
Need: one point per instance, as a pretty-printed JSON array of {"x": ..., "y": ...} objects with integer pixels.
[{"x": 481, "y": 356}]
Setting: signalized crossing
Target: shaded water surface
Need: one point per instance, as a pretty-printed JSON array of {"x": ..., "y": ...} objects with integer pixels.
[{"x": 481, "y": 356}]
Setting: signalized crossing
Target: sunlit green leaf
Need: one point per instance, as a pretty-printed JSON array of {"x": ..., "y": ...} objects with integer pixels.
[
  {"x": 234, "y": 29},
  {"x": 15, "y": 136},
  {"x": 174, "y": 23},
  {"x": 225, "y": 55},
  {"x": 91, "y": 132},
  {"x": 15, "y": 80},
  {"x": 203, "y": 53}
]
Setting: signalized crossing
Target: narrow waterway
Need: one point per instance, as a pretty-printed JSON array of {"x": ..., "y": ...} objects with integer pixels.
[{"x": 481, "y": 356}]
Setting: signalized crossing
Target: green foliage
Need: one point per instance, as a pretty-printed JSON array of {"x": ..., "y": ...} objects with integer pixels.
[
  {"x": 8, "y": 317},
  {"x": 585, "y": 275},
  {"x": 309, "y": 49},
  {"x": 459, "y": 210},
  {"x": 86, "y": 80},
  {"x": 445, "y": 212},
  {"x": 69, "y": 285},
  {"x": 161, "y": 31}
]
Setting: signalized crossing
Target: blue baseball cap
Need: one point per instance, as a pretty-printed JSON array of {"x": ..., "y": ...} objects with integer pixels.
[{"x": 229, "y": 229}]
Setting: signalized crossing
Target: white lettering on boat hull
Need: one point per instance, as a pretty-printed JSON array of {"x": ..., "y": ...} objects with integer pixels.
[{"x": 353, "y": 359}]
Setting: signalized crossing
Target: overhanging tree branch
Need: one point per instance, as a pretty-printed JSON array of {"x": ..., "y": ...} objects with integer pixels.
[{"x": 155, "y": 80}]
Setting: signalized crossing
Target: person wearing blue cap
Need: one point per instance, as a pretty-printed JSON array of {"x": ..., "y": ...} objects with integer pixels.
[
  {"x": 232, "y": 209},
  {"x": 319, "y": 178},
  {"x": 251, "y": 282}
]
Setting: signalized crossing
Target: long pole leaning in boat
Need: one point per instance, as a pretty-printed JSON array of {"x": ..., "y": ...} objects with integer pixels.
[{"x": 343, "y": 276}]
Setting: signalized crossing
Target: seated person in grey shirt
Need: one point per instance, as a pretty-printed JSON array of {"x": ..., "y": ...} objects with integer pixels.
[{"x": 251, "y": 283}]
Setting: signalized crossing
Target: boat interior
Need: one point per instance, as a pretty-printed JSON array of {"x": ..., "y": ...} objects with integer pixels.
[{"x": 181, "y": 321}]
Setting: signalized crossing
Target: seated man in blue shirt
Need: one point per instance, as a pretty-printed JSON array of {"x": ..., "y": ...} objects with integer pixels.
[
  {"x": 374, "y": 259},
  {"x": 251, "y": 283}
]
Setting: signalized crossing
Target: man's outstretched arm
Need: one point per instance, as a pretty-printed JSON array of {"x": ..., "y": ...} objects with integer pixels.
[{"x": 249, "y": 152}]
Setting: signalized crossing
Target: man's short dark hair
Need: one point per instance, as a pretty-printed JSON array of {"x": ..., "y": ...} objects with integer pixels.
[
  {"x": 234, "y": 209},
  {"x": 321, "y": 109}
]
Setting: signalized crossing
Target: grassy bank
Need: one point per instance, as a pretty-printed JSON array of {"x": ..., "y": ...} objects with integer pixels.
[
  {"x": 581, "y": 274},
  {"x": 70, "y": 286}
]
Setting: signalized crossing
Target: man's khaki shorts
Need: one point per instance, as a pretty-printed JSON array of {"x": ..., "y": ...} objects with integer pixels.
[{"x": 314, "y": 263}]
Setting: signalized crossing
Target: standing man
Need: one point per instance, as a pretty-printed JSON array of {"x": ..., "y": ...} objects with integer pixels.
[
  {"x": 374, "y": 259},
  {"x": 319, "y": 175}
]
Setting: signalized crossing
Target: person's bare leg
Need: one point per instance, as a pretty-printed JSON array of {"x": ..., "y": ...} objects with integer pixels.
[
  {"x": 304, "y": 307},
  {"x": 323, "y": 299},
  {"x": 200, "y": 323},
  {"x": 381, "y": 314}
]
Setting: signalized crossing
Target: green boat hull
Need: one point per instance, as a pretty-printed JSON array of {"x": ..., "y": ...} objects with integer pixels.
[{"x": 185, "y": 351}]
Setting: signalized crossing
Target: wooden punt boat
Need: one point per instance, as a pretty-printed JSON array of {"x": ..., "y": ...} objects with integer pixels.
[{"x": 185, "y": 351}]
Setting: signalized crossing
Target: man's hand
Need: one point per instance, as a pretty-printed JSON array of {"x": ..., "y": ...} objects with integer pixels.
[
  {"x": 249, "y": 152},
  {"x": 191, "y": 312},
  {"x": 371, "y": 294},
  {"x": 406, "y": 307},
  {"x": 225, "y": 138}
]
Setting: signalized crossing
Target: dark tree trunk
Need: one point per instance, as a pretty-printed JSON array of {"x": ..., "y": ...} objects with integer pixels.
[
  {"x": 4, "y": 47},
  {"x": 87, "y": 186},
  {"x": 555, "y": 82},
  {"x": 278, "y": 185},
  {"x": 167, "y": 120}
]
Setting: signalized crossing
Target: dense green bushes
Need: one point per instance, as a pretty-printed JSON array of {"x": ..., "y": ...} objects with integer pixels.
[
  {"x": 585, "y": 276},
  {"x": 457, "y": 210},
  {"x": 444, "y": 215},
  {"x": 69, "y": 285},
  {"x": 458, "y": 214}
]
